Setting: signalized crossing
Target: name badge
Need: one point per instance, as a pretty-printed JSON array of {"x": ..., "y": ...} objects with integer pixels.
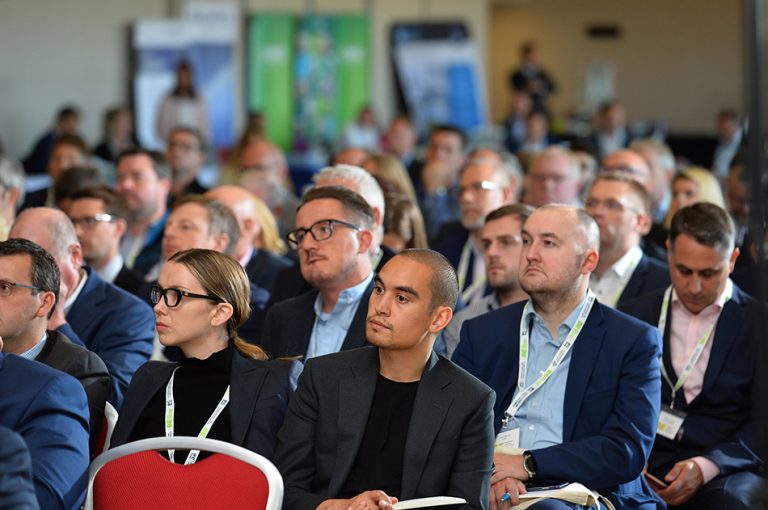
[
  {"x": 508, "y": 440},
  {"x": 670, "y": 422}
]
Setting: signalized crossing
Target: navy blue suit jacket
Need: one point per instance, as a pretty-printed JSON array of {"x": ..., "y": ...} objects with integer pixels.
[
  {"x": 17, "y": 491},
  {"x": 289, "y": 325},
  {"x": 649, "y": 275},
  {"x": 611, "y": 400},
  {"x": 49, "y": 409},
  {"x": 721, "y": 422},
  {"x": 259, "y": 393},
  {"x": 450, "y": 243},
  {"x": 263, "y": 267},
  {"x": 114, "y": 324}
]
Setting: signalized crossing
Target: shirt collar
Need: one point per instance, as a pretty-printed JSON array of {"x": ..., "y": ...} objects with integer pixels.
[
  {"x": 718, "y": 304},
  {"x": 622, "y": 265},
  {"x": 569, "y": 321},
  {"x": 36, "y": 349},
  {"x": 247, "y": 256},
  {"x": 73, "y": 297},
  {"x": 109, "y": 272},
  {"x": 346, "y": 296}
]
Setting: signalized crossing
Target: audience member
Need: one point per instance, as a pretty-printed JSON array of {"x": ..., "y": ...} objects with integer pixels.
[
  {"x": 112, "y": 323},
  {"x": 29, "y": 288},
  {"x": 531, "y": 79},
  {"x": 17, "y": 491},
  {"x": 611, "y": 133},
  {"x": 67, "y": 122},
  {"x": 661, "y": 163},
  {"x": 501, "y": 244},
  {"x": 68, "y": 150},
  {"x": 333, "y": 237},
  {"x": 186, "y": 156},
  {"x": 694, "y": 185},
  {"x": 621, "y": 208},
  {"x": 629, "y": 162},
  {"x": 403, "y": 224},
  {"x": 515, "y": 123},
  {"x": 485, "y": 185},
  {"x": 393, "y": 421},
  {"x": 144, "y": 181},
  {"x": 363, "y": 132},
  {"x": 71, "y": 181},
  {"x": 99, "y": 216},
  {"x": 708, "y": 434},
  {"x": 269, "y": 237},
  {"x": 729, "y": 135},
  {"x": 261, "y": 265},
  {"x": 553, "y": 177},
  {"x": 12, "y": 193},
  {"x": 353, "y": 156},
  {"x": 201, "y": 299},
  {"x": 182, "y": 106},
  {"x": 117, "y": 134},
  {"x": 49, "y": 410},
  {"x": 578, "y": 382},
  {"x": 536, "y": 133},
  {"x": 401, "y": 138},
  {"x": 391, "y": 175}
]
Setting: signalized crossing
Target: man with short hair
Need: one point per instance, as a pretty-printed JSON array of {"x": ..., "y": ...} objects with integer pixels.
[
  {"x": 553, "y": 178},
  {"x": 620, "y": 206},
  {"x": 577, "y": 381},
  {"x": 49, "y": 410},
  {"x": 501, "y": 243},
  {"x": 144, "y": 181},
  {"x": 29, "y": 290},
  {"x": 333, "y": 238},
  {"x": 611, "y": 133},
  {"x": 186, "y": 156},
  {"x": 114, "y": 324},
  {"x": 67, "y": 122},
  {"x": 401, "y": 138},
  {"x": 392, "y": 421},
  {"x": 484, "y": 185},
  {"x": 99, "y": 216},
  {"x": 708, "y": 437},
  {"x": 661, "y": 163},
  {"x": 261, "y": 265},
  {"x": 68, "y": 151}
]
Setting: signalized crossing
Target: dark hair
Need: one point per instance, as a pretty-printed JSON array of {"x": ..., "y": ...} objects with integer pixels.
[
  {"x": 189, "y": 90},
  {"x": 159, "y": 162},
  {"x": 403, "y": 217},
  {"x": 114, "y": 203},
  {"x": 201, "y": 142},
  {"x": 44, "y": 271},
  {"x": 443, "y": 284},
  {"x": 68, "y": 111},
  {"x": 707, "y": 224},
  {"x": 75, "y": 179},
  {"x": 73, "y": 140},
  {"x": 520, "y": 211},
  {"x": 220, "y": 218},
  {"x": 451, "y": 128},
  {"x": 634, "y": 186},
  {"x": 354, "y": 205}
]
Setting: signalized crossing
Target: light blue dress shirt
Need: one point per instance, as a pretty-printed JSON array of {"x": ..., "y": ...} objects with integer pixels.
[
  {"x": 540, "y": 418},
  {"x": 35, "y": 351}
]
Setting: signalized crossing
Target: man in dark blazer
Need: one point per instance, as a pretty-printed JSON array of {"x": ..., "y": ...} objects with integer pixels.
[
  {"x": 26, "y": 312},
  {"x": 710, "y": 459},
  {"x": 49, "y": 409},
  {"x": 621, "y": 207},
  {"x": 392, "y": 421},
  {"x": 586, "y": 408},
  {"x": 108, "y": 321},
  {"x": 333, "y": 237},
  {"x": 17, "y": 491}
]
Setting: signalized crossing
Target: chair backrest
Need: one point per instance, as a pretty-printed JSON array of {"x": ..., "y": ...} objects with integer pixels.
[
  {"x": 107, "y": 427},
  {"x": 135, "y": 475}
]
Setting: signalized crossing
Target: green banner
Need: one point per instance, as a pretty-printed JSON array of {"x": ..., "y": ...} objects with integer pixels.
[{"x": 352, "y": 40}]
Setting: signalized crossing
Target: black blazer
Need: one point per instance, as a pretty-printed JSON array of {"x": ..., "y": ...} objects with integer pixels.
[
  {"x": 289, "y": 324},
  {"x": 85, "y": 366},
  {"x": 263, "y": 267},
  {"x": 448, "y": 449},
  {"x": 259, "y": 392},
  {"x": 649, "y": 275},
  {"x": 129, "y": 280}
]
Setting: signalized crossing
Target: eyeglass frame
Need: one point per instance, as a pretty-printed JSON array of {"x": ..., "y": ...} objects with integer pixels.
[
  {"x": 91, "y": 221},
  {"x": 294, "y": 242},
  {"x": 36, "y": 290},
  {"x": 477, "y": 187},
  {"x": 182, "y": 294}
]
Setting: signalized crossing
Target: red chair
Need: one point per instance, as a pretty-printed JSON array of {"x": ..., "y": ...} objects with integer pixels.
[{"x": 135, "y": 475}]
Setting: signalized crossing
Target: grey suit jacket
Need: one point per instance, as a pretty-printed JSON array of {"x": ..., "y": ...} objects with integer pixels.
[{"x": 449, "y": 447}]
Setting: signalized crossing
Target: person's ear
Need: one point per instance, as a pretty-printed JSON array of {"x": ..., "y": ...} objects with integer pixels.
[
  {"x": 591, "y": 257},
  {"x": 47, "y": 303},
  {"x": 441, "y": 316},
  {"x": 220, "y": 242},
  {"x": 221, "y": 314},
  {"x": 365, "y": 238}
]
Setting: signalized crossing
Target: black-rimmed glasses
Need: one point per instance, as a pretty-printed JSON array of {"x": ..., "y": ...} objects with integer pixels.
[
  {"x": 172, "y": 296},
  {"x": 320, "y": 230},
  {"x": 6, "y": 288}
]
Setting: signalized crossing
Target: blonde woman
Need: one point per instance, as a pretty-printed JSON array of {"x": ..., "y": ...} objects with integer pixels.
[
  {"x": 391, "y": 175},
  {"x": 693, "y": 185}
]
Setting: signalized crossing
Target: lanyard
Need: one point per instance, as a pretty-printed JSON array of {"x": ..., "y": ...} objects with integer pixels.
[
  {"x": 170, "y": 407},
  {"x": 696, "y": 354},
  {"x": 463, "y": 273},
  {"x": 624, "y": 279},
  {"x": 523, "y": 393}
]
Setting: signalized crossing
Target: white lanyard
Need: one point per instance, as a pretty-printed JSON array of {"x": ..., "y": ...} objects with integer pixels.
[
  {"x": 523, "y": 393},
  {"x": 463, "y": 273},
  {"x": 696, "y": 354},
  {"x": 624, "y": 279},
  {"x": 170, "y": 407}
]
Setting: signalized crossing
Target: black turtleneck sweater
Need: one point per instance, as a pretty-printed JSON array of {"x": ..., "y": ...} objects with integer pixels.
[{"x": 197, "y": 389}]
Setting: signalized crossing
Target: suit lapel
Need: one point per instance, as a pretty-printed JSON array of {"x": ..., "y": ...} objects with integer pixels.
[
  {"x": 246, "y": 380},
  {"x": 301, "y": 320},
  {"x": 356, "y": 390},
  {"x": 155, "y": 380},
  {"x": 635, "y": 282},
  {"x": 429, "y": 411},
  {"x": 584, "y": 356},
  {"x": 727, "y": 330}
]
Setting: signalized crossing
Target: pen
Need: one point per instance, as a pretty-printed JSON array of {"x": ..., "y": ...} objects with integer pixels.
[{"x": 505, "y": 497}]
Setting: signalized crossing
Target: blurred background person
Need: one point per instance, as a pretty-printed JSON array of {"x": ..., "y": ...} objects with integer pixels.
[
  {"x": 363, "y": 132},
  {"x": 117, "y": 134},
  {"x": 694, "y": 185},
  {"x": 186, "y": 156},
  {"x": 401, "y": 139},
  {"x": 531, "y": 78},
  {"x": 391, "y": 174},
  {"x": 67, "y": 123},
  {"x": 183, "y": 106},
  {"x": 403, "y": 224},
  {"x": 12, "y": 192}
]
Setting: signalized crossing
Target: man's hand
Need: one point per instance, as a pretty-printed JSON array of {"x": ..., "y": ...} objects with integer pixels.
[
  {"x": 509, "y": 486},
  {"x": 368, "y": 500},
  {"x": 508, "y": 466},
  {"x": 685, "y": 479}
]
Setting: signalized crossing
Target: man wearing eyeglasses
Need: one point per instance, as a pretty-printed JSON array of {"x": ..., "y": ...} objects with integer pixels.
[
  {"x": 621, "y": 207},
  {"x": 186, "y": 156},
  {"x": 333, "y": 238},
  {"x": 485, "y": 185},
  {"x": 98, "y": 215}
]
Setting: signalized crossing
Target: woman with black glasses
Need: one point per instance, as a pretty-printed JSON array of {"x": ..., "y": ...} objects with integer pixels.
[{"x": 224, "y": 388}]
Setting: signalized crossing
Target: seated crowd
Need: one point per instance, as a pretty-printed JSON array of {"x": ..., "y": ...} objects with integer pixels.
[{"x": 584, "y": 315}]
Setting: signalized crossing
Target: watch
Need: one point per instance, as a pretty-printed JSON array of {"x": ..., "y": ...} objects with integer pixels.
[{"x": 529, "y": 464}]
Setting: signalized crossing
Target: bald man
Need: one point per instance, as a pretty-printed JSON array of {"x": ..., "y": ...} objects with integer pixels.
[{"x": 261, "y": 265}]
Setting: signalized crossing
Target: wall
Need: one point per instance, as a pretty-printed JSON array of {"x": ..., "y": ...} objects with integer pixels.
[
  {"x": 56, "y": 51},
  {"x": 678, "y": 60}
]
